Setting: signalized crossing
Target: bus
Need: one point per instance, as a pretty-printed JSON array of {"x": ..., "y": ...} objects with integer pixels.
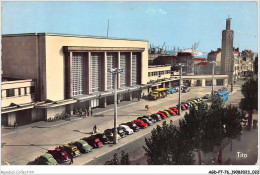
[{"x": 223, "y": 95}]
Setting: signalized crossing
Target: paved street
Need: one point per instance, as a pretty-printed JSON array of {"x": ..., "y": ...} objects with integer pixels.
[{"x": 24, "y": 144}]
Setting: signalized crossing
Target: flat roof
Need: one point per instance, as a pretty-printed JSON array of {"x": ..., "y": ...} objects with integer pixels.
[{"x": 70, "y": 35}]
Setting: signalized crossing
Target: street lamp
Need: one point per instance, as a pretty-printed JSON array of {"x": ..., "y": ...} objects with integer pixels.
[
  {"x": 115, "y": 73},
  {"x": 213, "y": 71},
  {"x": 180, "y": 65}
]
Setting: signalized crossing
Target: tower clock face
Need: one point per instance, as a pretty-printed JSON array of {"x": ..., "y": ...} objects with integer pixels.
[{"x": 230, "y": 35}]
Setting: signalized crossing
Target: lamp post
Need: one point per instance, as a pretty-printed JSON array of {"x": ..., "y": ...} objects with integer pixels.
[
  {"x": 115, "y": 73},
  {"x": 180, "y": 65},
  {"x": 213, "y": 71}
]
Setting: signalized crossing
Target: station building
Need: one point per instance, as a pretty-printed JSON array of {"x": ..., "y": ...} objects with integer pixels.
[{"x": 72, "y": 71}]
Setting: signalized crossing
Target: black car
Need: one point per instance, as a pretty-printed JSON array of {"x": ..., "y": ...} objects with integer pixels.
[
  {"x": 120, "y": 131},
  {"x": 185, "y": 89},
  {"x": 102, "y": 137},
  {"x": 156, "y": 117},
  {"x": 149, "y": 117},
  {"x": 133, "y": 126}
]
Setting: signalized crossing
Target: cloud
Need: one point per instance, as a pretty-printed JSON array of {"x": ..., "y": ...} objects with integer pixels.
[
  {"x": 155, "y": 11},
  {"x": 162, "y": 11}
]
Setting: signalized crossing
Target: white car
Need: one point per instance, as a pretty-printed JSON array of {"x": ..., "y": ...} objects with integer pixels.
[{"x": 127, "y": 129}]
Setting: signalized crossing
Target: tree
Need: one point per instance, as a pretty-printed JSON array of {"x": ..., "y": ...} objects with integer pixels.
[
  {"x": 168, "y": 146},
  {"x": 114, "y": 161},
  {"x": 193, "y": 127},
  {"x": 250, "y": 101},
  {"x": 233, "y": 121},
  {"x": 123, "y": 161},
  {"x": 125, "y": 158}
]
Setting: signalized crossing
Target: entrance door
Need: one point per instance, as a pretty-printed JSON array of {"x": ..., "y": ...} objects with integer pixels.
[
  {"x": 23, "y": 117},
  {"x": 4, "y": 120}
]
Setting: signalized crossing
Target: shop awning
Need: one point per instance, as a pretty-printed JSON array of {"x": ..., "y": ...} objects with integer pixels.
[{"x": 56, "y": 103}]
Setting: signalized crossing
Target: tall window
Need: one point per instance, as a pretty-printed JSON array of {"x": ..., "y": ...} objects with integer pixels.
[
  {"x": 123, "y": 66},
  {"x": 134, "y": 69},
  {"x": 77, "y": 73},
  {"x": 110, "y": 65},
  {"x": 95, "y": 71}
]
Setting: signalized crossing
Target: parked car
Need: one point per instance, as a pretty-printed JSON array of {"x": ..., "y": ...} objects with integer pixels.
[
  {"x": 70, "y": 149},
  {"x": 176, "y": 88},
  {"x": 110, "y": 135},
  {"x": 120, "y": 131},
  {"x": 82, "y": 145},
  {"x": 162, "y": 115},
  {"x": 133, "y": 126},
  {"x": 207, "y": 96},
  {"x": 93, "y": 141},
  {"x": 140, "y": 123},
  {"x": 45, "y": 159},
  {"x": 102, "y": 137},
  {"x": 182, "y": 107},
  {"x": 174, "y": 109},
  {"x": 170, "y": 112},
  {"x": 145, "y": 120},
  {"x": 156, "y": 117},
  {"x": 185, "y": 104},
  {"x": 59, "y": 155},
  {"x": 150, "y": 118},
  {"x": 165, "y": 113},
  {"x": 185, "y": 89},
  {"x": 198, "y": 99},
  {"x": 172, "y": 91},
  {"x": 127, "y": 129}
]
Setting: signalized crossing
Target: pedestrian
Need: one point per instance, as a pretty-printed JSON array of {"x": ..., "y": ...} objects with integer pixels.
[
  {"x": 95, "y": 129},
  {"x": 146, "y": 107},
  {"x": 15, "y": 125},
  {"x": 86, "y": 113},
  {"x": 91, "y": 112},
  {"x": 71, "y": 158}
]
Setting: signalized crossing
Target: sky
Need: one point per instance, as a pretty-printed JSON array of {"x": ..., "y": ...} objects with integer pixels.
[{"x": 178, "y": 24}]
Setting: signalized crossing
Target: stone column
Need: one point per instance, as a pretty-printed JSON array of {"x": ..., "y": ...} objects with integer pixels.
[
  {"x": 130, "y": 96},
  {"x": 118, "y": 66},
  {"x": 22, "y": 91},
  {"x": 103, "y": 102},
  {"x": 105, "y": 72},
  {"x": 192, "y": 82},
  {"x": 130, "y": 69},
  {"x": 203, "y": 82},
  {"x": 225, "y": 82},
  {"x": 215, "y": 82},
  {"x": 28, "y": 90},
  {"x": 3, "y": 93},
  {"x": 89, "y": 78},
  {"x": 69, "y": 109},
  {"x": 16, "y": 92}
]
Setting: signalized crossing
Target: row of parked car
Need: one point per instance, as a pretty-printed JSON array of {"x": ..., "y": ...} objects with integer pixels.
[{"x": 86, "y": 144}]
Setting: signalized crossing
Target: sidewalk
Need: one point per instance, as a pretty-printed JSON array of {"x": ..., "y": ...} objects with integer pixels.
[{"x": 45, "y": 124}]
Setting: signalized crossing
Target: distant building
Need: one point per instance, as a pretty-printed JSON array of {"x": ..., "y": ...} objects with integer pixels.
[
  {"x": 17, "y": 101},
  {"x": 187, "y": 59},
  {"x": 214, "y": 56},
  {"x": 200, "y": 65},
  {"x": 227, "y": 55},
  {"x": 167, "y": 60}
]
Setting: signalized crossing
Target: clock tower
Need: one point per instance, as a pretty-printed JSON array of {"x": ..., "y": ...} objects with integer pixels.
[{"x": 227, "y": 54}]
